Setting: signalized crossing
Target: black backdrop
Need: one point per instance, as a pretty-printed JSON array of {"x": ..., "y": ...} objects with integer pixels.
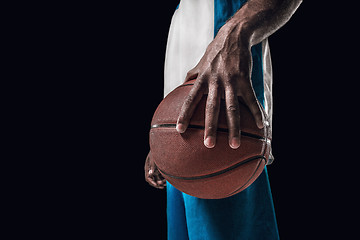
[
  {"x": 290, "y": 58},
  {"x": 123, "y": 50}
]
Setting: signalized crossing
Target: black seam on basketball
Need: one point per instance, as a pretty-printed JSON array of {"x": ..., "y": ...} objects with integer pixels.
[
  {"x": 215, "y": 173},
  {"x": 184, "y": 85},
  {"x": 173, "y": 125}
]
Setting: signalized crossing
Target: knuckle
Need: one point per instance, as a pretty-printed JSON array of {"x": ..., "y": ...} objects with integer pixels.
[
  {"x": 244, "y": 74},
  {"x": 189, "y": 99},
  {"x": 185, "y": 108},
  {"x": 229, "y": 82},
  {"x": 210, "y": 106},
  {"x": 232, "y": 76},
  {"x": 211, "y": 130},
  {"x": 234, "y": 133},
  {"x": 234, "y": 130},
  {"x": 215, "y": 83},
  {"x": 232, "y": 108}
]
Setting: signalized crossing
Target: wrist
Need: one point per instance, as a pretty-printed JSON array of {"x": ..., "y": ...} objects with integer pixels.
[
  {"x": 249, "y": 20},
  {"x": 238, "y": 30}
]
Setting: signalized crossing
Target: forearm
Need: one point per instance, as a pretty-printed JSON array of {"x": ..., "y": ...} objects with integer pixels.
[{"x": 258, "y": 19}]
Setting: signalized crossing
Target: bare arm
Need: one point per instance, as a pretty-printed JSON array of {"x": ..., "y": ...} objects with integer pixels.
[
  {"x": 225, "y": 68},
  {"x": 261, "y": 18}
]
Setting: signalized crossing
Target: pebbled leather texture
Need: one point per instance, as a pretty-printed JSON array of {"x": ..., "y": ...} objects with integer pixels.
[{"x": 199, "y": 171}]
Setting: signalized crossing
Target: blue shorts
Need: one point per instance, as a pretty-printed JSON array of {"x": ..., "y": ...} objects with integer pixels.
[{"x": 248, "y": 215}]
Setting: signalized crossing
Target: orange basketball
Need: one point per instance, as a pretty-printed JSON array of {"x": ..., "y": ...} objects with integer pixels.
[{"x": 210, "y": 173}]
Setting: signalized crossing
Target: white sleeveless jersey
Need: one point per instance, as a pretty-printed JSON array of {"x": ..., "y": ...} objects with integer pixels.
[{"x": 193, "y": 26}]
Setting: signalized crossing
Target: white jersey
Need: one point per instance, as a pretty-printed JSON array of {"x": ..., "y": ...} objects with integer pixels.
[{"x": 193, "y": 26}]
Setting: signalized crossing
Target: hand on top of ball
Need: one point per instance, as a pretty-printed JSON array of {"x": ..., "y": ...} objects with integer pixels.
[{"x": 223, "y": 71}]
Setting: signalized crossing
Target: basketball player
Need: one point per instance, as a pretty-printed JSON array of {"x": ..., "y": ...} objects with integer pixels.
[{"x": 223, "y": 44}]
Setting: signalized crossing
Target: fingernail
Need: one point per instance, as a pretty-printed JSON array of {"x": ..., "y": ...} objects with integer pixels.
[
  {"x": 180, "y": 128},
  {"x": 235, "y": 143},
  {"x": 209, "y": 142}
]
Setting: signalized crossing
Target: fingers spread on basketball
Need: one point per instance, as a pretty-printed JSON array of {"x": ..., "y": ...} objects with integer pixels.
[
  {"x": 214, "y": 173},
  {"x": 233, "y": 117},
  {"x": 189, "y": 106},
  {"x": 246, "y": 89},
  {"x": 212, "y": 115},
  {"x": 254, "y": 106}
]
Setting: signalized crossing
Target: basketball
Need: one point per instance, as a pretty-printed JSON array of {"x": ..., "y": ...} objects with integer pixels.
[{"x": 210, "y": 173}]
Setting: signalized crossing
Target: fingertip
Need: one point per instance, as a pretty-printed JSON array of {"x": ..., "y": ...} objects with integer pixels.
[
  {"x": 181, "y": 128},
  {"x": 234, "y": 142},
  {"x": 151, "y": 182},
  {"x": 209, "y": 142},
  {"x": 260, "y": 124}
]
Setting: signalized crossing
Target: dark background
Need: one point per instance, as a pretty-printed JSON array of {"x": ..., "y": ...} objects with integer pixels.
[
  {"x": 298, "y": 111},
  {"x": 85, "y": 79},
  {"x": 114, "y": 56}
]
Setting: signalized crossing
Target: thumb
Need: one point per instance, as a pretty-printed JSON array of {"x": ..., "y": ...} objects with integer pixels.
[{"x": 192, "y": 74}]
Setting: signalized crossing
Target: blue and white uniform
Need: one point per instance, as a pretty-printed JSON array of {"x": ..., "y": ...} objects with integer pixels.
[{"x": 249, "y": 214}]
